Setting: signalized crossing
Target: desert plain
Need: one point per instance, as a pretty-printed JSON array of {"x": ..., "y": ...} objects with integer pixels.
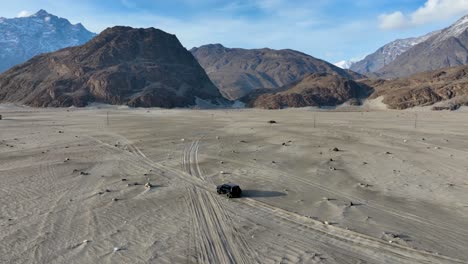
[{"x": 318, "y": 186}]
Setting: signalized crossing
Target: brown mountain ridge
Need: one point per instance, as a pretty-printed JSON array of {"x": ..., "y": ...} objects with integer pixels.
[
  {"x": 317, "y": 89},
  {"x": 443, "y": 89},
  {"x": 424, "y": 89},
  {"x": 150, "y": 68},
  {"x": 122, "y": 65},
  {"x": 237, "y": 72}
]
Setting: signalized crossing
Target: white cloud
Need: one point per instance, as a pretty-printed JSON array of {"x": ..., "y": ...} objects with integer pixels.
[
  {"x": 24, "y": 13},
  {"x": 392, "y": 20},
  {"x": 438, "y": 10},
  {"x": 431, "y": 11}
]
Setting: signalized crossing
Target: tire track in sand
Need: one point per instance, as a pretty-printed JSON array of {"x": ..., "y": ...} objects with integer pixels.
[
  {"x": 342, "y": 240},
  {"x": 369, "y": 203},
  {"x": 212, "y": 233},
  {"x": 212, "y": 230},
  {"x": 346, "y": 243}
]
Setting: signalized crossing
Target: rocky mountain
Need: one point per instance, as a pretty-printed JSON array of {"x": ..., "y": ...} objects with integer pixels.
[
  {"x": 237, "y": 72},
  {"x": 318, "y": 89},
  {"x": 386, "y": 54},
  {"x": 25, "y": 37},
  {"x": 442, "y": 89},
  {"x": 137, "y": 67},
  {"x": 447, "y": 48},
  {"x": 423, "y": 89}
]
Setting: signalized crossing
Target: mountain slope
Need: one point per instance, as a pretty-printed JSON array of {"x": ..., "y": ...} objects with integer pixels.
[
  {"x": 137, "y": 67},
  {"x": 237, "y": 72},
  {"x": 25, "y": 37},
  {"x": 387, "y": 54},
  {"x": 448, "y": 48},
  {"x": 318, "y": 89}
]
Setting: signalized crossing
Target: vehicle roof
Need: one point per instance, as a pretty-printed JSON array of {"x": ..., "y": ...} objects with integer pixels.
[{"x": 231, "y": 184}]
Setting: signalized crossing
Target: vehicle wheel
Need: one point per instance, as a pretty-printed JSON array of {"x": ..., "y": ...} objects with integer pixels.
[
  {"x": 218, "y": 192},
  {"x": 229, "y": 195}
]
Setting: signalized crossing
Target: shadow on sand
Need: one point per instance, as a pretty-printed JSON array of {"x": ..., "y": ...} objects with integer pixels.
[{"x": 258, "y": 193}]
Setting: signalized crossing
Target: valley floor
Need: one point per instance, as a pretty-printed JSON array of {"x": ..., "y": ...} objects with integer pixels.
[{"x": 393, "y": 193}]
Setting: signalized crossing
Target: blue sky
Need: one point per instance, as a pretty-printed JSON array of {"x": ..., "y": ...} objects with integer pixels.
[{"x": 333, "y": 30}]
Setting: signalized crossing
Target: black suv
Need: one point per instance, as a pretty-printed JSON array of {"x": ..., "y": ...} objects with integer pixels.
[{"x": 231, "y": 190}]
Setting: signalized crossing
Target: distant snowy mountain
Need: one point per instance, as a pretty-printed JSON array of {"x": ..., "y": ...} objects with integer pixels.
[
  {"x": 388, "y": 53},
  {"x": 454, "y": 31},
  {"x": 344, "y": 64},
  {"x": 25, "y": 37},
  {"x": 446, "y": 48}
]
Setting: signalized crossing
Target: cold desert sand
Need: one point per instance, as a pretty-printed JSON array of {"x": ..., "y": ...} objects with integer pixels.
[{"x": 72, "y": 186}]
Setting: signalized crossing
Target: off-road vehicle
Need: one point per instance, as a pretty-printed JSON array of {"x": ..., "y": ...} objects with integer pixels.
[{"x": 229, "y": 189}]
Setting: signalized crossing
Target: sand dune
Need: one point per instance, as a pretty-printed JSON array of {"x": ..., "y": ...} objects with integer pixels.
[{"x": 72, "y": 186}]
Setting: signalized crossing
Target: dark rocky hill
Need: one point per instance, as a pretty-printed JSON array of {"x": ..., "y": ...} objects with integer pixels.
[
  {"x": 424, "y": 89},
  {"x": 137, "y": 67},
  {"x": 237, "y": 72},
  {"x": 318, "y": 89}
]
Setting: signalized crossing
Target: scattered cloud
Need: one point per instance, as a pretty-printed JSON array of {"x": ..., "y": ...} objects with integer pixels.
[
  {"x": 438, "y": 10},
  {"x": 431, "y": 11},
  {"x": 24, "y": 13},
  {"x": 322, "y": 28},
  {"x": 392, "y": 21}
]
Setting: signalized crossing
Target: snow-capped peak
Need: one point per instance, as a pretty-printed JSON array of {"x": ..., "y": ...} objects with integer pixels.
[
  {"x": 388, "y": 53},
  {"x": 344, "y": 64},
  {"x": 454, "y": 30},
  {"x": 41, "y": 13},
  {"x": 399, "y": 46},
  {"x": 461, "y": 22},
  {"x": 24, "y": 37}
]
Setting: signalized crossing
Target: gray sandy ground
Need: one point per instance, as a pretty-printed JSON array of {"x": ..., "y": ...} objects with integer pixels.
[{"x": 392, "y": 194}]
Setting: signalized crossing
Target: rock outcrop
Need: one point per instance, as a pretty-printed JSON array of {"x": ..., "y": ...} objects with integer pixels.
[
  {"x": 424, "y": 89},
  {"x": 319, "y": 89}
]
